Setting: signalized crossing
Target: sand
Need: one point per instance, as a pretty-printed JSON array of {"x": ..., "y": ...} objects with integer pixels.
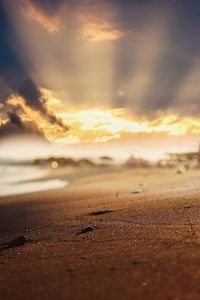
[{"x": 145, "y": 246}]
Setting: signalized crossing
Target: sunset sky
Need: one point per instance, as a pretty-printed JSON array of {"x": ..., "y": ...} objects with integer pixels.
[{"x": 101, "y": 74}]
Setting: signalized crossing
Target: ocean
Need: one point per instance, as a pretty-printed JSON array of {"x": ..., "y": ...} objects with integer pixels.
[{"x": 20, "y": 179}]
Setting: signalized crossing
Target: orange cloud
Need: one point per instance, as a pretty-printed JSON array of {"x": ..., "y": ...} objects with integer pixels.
[
  {"x": 52, "y": 23},
  {"x": 91, "y": 28},
  {"x": 100, "y": 30}
]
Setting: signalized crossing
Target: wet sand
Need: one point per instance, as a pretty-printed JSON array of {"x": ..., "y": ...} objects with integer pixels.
[{"x": 145, "y": 246}]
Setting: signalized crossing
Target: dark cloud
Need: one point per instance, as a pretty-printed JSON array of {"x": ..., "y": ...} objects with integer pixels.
[
  {"x": 14, "y": 113},
  {"x": 37, "y": 101},
  {"x": 15, "y": 119},
  {"x": 32, "y": 95},
  {"x": 16, "y": 127}
]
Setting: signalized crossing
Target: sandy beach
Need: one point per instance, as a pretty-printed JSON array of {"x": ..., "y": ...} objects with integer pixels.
[{"x": 145, "y": 242}]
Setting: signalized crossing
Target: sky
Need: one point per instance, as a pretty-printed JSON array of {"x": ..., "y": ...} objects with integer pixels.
[{"x": 89, "y": 72}]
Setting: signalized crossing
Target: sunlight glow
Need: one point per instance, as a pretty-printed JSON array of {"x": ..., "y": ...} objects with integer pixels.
[{"x": 98, "y": 125}]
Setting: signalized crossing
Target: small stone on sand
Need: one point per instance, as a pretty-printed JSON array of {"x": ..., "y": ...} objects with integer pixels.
[
  {"x": 86, "y": 229},
  {"x": 187, "y": 206},
  {"x": 18, "y": 241},
  {"x": 136, "y": 191},
  {"x": 100, "y": 212}
]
